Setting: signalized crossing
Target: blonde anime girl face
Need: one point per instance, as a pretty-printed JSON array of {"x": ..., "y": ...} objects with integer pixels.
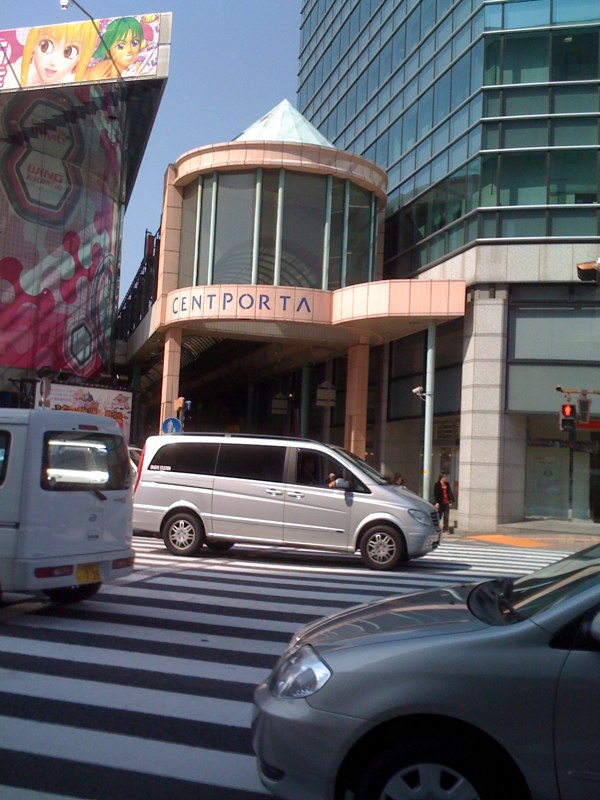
[
  {"x": 55, "y": 59},
  {"x": 57, "y": 54}
]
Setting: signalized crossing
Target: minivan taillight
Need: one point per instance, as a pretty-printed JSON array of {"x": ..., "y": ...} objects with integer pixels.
[{"x": 139, "y": 468}]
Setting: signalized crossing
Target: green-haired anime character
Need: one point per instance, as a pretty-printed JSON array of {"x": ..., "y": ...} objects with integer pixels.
[{"x": 119, "y": 48}]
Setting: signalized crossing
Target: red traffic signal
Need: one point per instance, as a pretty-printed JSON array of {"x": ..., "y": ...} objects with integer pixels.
[{"x": 568, "y": 417}]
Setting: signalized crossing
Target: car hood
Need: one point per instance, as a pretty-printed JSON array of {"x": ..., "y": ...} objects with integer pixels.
[{"x": 430, "y": 613}]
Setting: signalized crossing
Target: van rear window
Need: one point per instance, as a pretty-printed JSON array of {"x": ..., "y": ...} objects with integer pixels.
[{"x": 80, "y": 460}]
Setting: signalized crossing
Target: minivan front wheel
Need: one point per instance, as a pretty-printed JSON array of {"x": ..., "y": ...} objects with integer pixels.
[
  {"x": 183, "y": 534},
  {"x": 382, "y": 547}
]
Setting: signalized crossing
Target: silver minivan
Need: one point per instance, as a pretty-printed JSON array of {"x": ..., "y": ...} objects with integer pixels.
[{"x": 219, "y": 489}]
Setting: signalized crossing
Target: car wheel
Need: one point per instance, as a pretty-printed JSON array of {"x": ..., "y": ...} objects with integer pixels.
[
  {"x": 219, "y": 545},
  {"x": 382, "y": 547},
  {"x": 73, "y": 594},
  {"x": 434, "y": 770},
  {"x": 183, "y": 534}
]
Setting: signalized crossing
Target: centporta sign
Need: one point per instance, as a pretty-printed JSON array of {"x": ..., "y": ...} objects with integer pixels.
[{"x": 249, "y": 302}]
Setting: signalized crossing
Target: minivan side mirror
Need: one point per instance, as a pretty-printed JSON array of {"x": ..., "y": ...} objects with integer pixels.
[
  {"x": 595, "y": 628},
  {"x": 342, "y": 483}
]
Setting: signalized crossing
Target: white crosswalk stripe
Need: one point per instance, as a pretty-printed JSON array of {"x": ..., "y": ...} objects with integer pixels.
[{"x": 145, "y": 690}]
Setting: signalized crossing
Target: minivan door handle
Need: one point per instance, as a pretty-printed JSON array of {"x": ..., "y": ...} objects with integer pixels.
[
  {"x": 274, "y": 492},
  {"x": 296, "y": 495}
]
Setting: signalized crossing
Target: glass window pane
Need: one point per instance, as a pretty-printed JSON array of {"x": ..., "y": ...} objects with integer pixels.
[
  {"x": 522, "y": 179},
  {"x": 489, "y": 181},
  {"x": 574, "y": 56},
  {"x": 526, "y": 101},
  {"x": 268, "y": 222},
  {"x": 303, "y": 230},
  {"x": 492, "y": 61},
  {"x": 525, "y": 59},
  {"x": 530, "y": 133},
  {"x": 571, "y": 132},
  {"x": 235, "y": 225},
  {"x": 573, "y": 177},
  {"x": 568, "y": 99},
  {"x": 526, "y": 13},
  {"x": 555, "y": 334},
  {"x": 205, "y": 220},
  {"x": 409, "y": 128},
  {"x": 461, "y": 74},
  {"x": 187, "y": 239},
  {"x": 574, "y": 11},
  {"x": 359, "y": 236},
  {"x": 574, "y": 222},
  {"x": 488, "y": 226},
  {"x": 336, "y": 234},
  {"x": 522, "y": 223},
  {"x": 251, "y": 462}
]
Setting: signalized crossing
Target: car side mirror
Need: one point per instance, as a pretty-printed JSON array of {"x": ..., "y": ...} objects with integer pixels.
[{"x": 342, "y": 483}]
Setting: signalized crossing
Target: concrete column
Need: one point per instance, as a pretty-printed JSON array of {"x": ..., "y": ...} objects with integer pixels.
[
  {"x": 483, "y": 424},
  {"x": 168, "y": 260},
  {"x": 357, "y": 386},
  {"x": 170, "y": 380}
]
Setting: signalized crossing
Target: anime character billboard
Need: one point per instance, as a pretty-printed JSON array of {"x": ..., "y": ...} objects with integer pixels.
[{"x": 75, "y": 52}]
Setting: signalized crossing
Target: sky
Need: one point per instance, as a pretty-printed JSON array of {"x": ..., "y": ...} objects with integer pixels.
[{"x": 231, "y": 62}]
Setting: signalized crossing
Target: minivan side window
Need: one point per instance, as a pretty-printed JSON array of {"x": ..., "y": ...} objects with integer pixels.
[
  {"x": 4, "y": 447},
  {"x": 78, "y": 460},
  {"x": 197, "y": 458},
  {"x": 253, "y": 462},
  {"x": 314, "y": 468}
]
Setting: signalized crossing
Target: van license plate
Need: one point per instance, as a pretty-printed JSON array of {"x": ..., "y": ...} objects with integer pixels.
[{"x": 88, "y": 573}]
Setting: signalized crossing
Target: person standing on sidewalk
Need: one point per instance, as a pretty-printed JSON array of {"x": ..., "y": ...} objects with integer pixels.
[{"x": 443, "y": 496}]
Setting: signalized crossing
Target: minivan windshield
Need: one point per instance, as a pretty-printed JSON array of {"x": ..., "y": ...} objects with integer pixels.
[
  {"x": 374, "y": 474},
  {"x": 506, "y": 601}
]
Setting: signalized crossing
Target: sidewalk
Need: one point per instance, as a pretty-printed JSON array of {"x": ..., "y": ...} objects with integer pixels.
[{"x": 551, "y": 534}]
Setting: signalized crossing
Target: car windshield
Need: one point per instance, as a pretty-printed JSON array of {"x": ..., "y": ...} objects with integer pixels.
[
  {"x": 506, "y": 601},
  {"x": 363, "y": 465}
]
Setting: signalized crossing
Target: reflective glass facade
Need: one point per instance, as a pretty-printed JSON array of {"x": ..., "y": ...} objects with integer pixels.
[
  {"x": 484, "y": 115},
  {"x": 277, "y": 227}
]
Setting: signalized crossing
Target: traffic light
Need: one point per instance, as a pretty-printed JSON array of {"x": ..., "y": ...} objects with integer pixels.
[
  {"x": 180, "y": 408},
  {"x": 568, "y": 417},
  {"x": 584, "y": 408}
]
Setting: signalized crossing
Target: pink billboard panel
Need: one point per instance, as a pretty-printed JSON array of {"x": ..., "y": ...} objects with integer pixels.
[
  {"x": 78, "y": 52},
  {"x": 60, "y": 204}
]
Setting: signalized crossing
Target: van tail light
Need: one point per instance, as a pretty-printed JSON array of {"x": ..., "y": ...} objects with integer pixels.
[
  {"x": 139, "y": 469},
  {"x": 123, "y": 563},
  {"x": 53, "y": 572}
]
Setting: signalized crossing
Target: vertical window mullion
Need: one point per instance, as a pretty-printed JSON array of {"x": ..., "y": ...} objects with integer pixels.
[
  {"x": 345, "y": 233},
  {"x": 256, "y": 232},
  {"x": 327, "y": 233},
  {"x": 197, "y": 232},
  {"x": 213, "y": 228},
  {"x": 279, "y": 228}
]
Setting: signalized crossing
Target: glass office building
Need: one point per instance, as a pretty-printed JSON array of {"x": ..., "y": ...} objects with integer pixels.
[{"x": 485, "y": 117}]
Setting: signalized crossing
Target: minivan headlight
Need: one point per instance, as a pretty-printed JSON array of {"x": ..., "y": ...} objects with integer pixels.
[
  {"x": 420, "y": 516},
  {"x": 299, "y": 675}
]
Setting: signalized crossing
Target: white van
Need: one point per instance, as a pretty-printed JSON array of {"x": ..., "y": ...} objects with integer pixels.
[
  {"x": 65, "y": 503},
  {"x": 219, "y": 489}
]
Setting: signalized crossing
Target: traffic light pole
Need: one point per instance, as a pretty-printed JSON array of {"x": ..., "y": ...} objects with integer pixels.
[{"x": 572, "y": 438}]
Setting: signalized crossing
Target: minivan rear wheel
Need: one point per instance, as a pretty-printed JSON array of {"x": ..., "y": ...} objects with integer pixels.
[
  {"x": 183, "y": 534},
  {"x": 382, "y": 547}
]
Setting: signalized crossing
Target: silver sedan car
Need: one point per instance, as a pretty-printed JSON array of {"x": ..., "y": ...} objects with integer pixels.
[{"x": 477, "y": 692}]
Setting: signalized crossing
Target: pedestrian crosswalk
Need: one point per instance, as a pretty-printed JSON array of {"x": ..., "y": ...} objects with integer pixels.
[{"x": 145, "y": 690}]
